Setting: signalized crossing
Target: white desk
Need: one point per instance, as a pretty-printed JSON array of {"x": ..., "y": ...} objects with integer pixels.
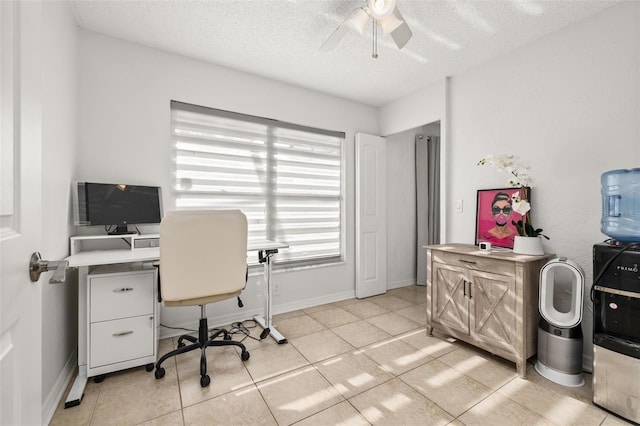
[{"x": 83, "y": 260}]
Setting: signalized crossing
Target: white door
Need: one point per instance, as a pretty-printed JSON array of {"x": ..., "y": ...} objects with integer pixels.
[
  {"x": 20, "y": 205},
  {"x": 371, "y": 215}
]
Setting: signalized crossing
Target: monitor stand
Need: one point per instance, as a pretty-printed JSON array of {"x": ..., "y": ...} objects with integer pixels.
[{"x": 121, "y": 230}]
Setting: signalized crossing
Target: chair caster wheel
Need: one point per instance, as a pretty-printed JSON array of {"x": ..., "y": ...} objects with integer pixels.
[
  {"x": 181, "y": 345},
  {"x": 149, "y": 367},
  {"x": 227, "y": 337},
  {"x": 159, "y": 373},
  {"x": 205, "y": 380},
  {"x": 98, "y": 379},
  {"x": 245, "y": 355}
]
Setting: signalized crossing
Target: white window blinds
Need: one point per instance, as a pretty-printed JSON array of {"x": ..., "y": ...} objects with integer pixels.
[{"x": 287, "y": 179}]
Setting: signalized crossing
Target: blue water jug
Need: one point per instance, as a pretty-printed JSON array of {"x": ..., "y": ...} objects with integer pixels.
[{"x": 621, "y": 204}]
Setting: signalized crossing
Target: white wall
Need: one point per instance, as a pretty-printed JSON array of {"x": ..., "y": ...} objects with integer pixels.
[
  {"x": 568, "y": 104},
  {"x": 422, "y": 107},
  {"x": 124, "y": 135},
  {"x": 59, "y": 136}
]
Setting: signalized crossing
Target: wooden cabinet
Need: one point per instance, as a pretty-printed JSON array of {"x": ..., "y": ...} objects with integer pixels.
[
  {"x": 122, "y": 320},
  {"x": 488, "y": 300}
]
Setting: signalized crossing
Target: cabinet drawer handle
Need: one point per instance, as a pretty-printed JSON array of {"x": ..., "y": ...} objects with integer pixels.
[
  {"x": 467, "y": 261},
  {"x": 122, "y": 333},
  {"x": 122, "y": 290}
]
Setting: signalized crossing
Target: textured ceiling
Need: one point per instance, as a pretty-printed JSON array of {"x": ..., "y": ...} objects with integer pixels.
[{"x": 281, "y": 39}]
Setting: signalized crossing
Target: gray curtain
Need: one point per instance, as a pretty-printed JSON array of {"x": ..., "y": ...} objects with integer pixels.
[{"x": 427, "y": 198}]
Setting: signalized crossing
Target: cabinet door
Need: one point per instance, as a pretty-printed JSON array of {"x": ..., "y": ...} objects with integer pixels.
[
  {"x": 493, "y": 317},
  {"x": 450, "y": 304}
]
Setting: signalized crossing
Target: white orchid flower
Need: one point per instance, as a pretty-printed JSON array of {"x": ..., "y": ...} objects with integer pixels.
[{"x": 519, "y": 205}]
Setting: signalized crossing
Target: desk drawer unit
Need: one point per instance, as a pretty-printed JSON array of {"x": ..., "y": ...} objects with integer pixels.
[
  {"x": 122, "y": 319},
  {"x": 123, "y": 339},
  {"x": 121, "y": 295}
]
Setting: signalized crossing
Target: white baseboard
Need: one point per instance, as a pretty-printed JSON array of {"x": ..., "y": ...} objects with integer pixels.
[
  {"x": 224, "y": 320},
  {"x": 308, "y": 303},
  {"x": 399, "y": 284},
  {"x": 59, "y": 387}
]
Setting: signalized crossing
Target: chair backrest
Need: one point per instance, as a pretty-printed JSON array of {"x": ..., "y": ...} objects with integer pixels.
[{"x": 203, "y": 253}]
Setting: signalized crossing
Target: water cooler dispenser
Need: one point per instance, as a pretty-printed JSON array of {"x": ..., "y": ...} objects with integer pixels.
[
  {"x": 616, "y": 333},
  {"x": 616, "y": 297}
]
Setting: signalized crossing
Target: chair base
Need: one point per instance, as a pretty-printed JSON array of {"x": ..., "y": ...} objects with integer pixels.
[{"x": 201, "y": 342}]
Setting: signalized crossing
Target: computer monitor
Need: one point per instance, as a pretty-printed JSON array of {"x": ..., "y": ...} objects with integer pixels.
[{"x": 116, "y": 206}]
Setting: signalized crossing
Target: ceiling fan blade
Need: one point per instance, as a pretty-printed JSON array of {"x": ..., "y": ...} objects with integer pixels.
[
  {"x": 390, "y": 23},
  {"x": 402, "y": 34},
  {"x": 335, "y": 37},
  {"x": 355, "y": 22}
]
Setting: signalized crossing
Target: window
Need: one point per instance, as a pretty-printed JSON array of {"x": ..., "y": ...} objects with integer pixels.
[{"x": 286, "y": 178}]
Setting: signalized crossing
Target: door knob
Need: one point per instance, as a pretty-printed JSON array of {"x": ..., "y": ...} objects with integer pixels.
[{"x": 38, "y": 266}]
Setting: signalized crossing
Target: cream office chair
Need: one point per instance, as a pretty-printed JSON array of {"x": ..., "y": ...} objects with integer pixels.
[{"x": 203, "y": 259}]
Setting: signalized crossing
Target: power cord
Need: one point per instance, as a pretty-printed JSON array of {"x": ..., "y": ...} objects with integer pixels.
[
  {"x": 238, "y": 328},
  {"x": 178, "y": 328},
  {"x": 245, "y": 330}
]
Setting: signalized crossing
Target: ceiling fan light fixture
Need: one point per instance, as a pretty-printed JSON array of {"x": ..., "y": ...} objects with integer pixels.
[
  {"x": 358, "y": 21},
  {"x": 380, "y": 9},
  {"x": 382, "y": 13}
]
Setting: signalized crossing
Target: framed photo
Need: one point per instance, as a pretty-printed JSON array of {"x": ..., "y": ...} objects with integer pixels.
[{"x": 494, "y": 216}]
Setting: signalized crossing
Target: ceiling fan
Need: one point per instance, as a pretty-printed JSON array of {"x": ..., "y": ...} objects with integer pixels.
[{"x": 383, "y": 13}]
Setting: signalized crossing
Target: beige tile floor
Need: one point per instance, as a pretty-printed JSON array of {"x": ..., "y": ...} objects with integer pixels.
[{"x": 354, "y": 362}]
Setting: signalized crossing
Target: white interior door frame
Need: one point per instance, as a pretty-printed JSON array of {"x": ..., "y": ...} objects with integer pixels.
[{"x": 371, "y": 215}]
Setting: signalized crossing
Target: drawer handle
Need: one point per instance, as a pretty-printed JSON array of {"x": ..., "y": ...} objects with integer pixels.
[
  {"x": 467, "y": 261},
  {"x": 122, "y": 333},
  {"x": 122, "y": 290}
]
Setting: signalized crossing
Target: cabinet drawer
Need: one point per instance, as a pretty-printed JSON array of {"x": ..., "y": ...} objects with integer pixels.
[
  {"x": 480, "y": 263},
  {"x": 120, "y": 340},
  {"x": 114, "y": 296}
]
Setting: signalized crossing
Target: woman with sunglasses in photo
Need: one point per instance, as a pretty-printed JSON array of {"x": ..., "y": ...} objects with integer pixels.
[{"x": 501, "y": 211}]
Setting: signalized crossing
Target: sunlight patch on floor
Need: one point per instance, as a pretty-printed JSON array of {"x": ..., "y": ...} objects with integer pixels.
[
  {"x": 411, "y": 358},
  {"x": 373, "y": 414},
  {"x": 384, "y": 343},
  {"x": 470, "y": 364},
  {"x": 332, "y": 361},
  {"x": 246, "y": 391},
  {"x": 287, "y": 377},
  {"x": 310, "y": 400},
  {"x": 443, "y": 378},
  {"x": 341, "y": 388},
  {"x": 440, "y": 346},
  {"x": 361, "y": 379},
  {"x": 396, "y": 402}
]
